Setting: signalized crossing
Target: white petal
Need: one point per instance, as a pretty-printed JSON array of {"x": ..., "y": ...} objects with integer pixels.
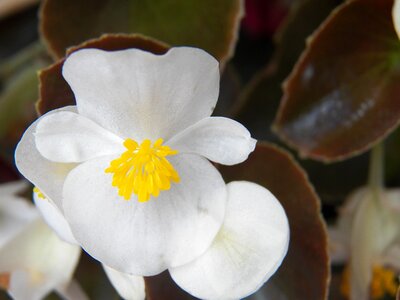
[
  {"x": 246, "y": 252},
  {"x": 374, "y": 229},
  {"x": 340, "y": 233},
  {"x": 221, "y": 140},
  {"x": 23, "y": 287},
  {"x": 396, "y": 16},
  {"x": 46, "y": 175},
  {"x": 15, "y": 213},
  {"x": 68, "y": 137},
  {"x": 137, "y": 94},
  {"x": 48, "y": 261},
  {"x": 129, "y": 287},
  {"x": 145, "y": 238},
  {"x": 54, "y": 218}
]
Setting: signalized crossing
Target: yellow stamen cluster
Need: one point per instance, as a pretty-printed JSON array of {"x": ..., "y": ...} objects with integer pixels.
[
  {"x": 39, "y": 193},
  {"x": 345, "y": 283},
  {"x": 383, "y": 283},
  {"x": 4, "y": 281},
  {"x": 143, "y": 170}
]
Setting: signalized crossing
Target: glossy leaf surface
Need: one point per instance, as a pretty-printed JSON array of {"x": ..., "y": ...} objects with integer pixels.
[{"x": 342, "y": 96}]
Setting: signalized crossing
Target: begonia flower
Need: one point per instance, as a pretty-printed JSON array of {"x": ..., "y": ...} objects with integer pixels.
[
  {"x": 141, "y": 131},
  {"x": 33, "y": 260},
  {"x": 367, "y": 239},
  {"x": 130, "y": 172}
]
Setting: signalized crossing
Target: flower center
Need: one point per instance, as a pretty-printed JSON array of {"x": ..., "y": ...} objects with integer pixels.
[
  {"x": 143, "y": 169},
  {"x": 383, "y": 283}
]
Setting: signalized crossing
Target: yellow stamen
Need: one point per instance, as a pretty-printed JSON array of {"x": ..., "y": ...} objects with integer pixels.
[
  {"x": 383, "y": 283},
  {"x": 39, "y": 193},
  {"x": 345, "y": 283},
  {"x": 4, "y": 281},
  {"x": 143, "y": 170}
]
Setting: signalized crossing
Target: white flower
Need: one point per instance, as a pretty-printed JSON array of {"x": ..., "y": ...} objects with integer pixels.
[
  {"x": 126, "y": 102},
  {"x": 367, "y": 236},
  {"x": 33, "y": 260},
  {"x": 129, "y": 171}
]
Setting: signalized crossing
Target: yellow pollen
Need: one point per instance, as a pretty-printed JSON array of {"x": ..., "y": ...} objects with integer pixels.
[
  {"x": 383, "y": 283},
  {"x": 143, "y": 170},
  {"x": 39, "y": 193},
  {"x": 345, "y": 283},
  {"x": 4, "y": 281}
]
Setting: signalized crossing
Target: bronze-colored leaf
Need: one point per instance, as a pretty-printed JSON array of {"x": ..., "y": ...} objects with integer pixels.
[
  {"x": 7, "y": 173},
  {"x": 207, "y": 24},
  {"x": 305, "y": 271},
  {"x": 162, "y": 287},
  {"x": 342, "y": 96},
  {"x": 259, "y": 100},
  {"x": 54, "y": 91}
]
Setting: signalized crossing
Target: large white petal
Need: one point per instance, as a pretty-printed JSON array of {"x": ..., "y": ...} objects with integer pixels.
[
  {"x": 246, "y": 252},
  {"x": 129, "y": 287},
  {"x": 54, "y": 218},
  {"x": 48, "y": 176},
  {"x": 221, "y": 140},
  {"x": 47, "y": 261},
  {"x": 137, "y": 94},
  {"x": 396, "y": 16},
  {"x": 68, "y": 137},
  {"x": 340, "y": 233},
  {"x": 15, "y": 213},
  {"x": 145, "y": 238}
]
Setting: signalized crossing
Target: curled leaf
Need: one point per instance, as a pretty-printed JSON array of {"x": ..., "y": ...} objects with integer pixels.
[
  {"x": 207, "y": 24},
  {"x": 342, "y": 96}
]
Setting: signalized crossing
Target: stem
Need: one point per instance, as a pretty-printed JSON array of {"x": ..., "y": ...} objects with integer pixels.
[{"x": 376, "y": 170}]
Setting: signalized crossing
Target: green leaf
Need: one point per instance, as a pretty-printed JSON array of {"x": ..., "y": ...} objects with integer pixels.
[
  {"x": 55, "y": 91},
  {"x": 305, "y": 271},
  {"x": 342, "y": 96},
  {"x": 17, "y": 108},
  {"x": 207, "y": 24}
]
